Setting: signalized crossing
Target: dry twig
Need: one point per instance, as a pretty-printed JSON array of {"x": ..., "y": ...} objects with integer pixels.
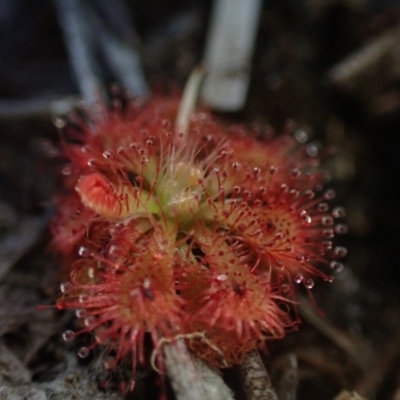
[
  {"x": 365, "y": 59},
  {"x": 357, "y": 348},
  {"x": 121, "y": 56},
  {"x": 255, "y": 380},
  {"x": 37, "y": 107},
  {"x": 79, "y": 43},
  {"x": 376, "y": 373},
  {"x": 286, "y": 371}
]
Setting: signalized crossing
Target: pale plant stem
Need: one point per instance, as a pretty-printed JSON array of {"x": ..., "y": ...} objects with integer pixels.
[{"x": 188, "y": 104}]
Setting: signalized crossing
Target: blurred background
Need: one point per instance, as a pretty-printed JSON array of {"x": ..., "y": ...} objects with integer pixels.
[{"x": 330, "y": 67}]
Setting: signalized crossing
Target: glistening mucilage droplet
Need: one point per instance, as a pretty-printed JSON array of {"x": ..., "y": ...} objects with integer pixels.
[
  {"x": 66, "y": 287},
  {"x": 340, "y": 251},
  {"x": 83, "y": 251},
  {"x": 68, "y": 335},
  {"x": 339, "y": 212},
  {"x": 308, "y": 283},
  {"x": 341, "y": 229},
  {"x": 83, "y": 352},
  {"x": 336, "y": 266}
]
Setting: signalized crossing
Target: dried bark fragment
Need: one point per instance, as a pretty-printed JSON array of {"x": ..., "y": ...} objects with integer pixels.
[{"x": 255, "y": 380}]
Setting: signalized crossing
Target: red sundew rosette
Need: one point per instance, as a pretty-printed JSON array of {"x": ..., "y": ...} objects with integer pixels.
[
  {"x": 236, "y": 308},
  {"x": 120, "y": 308},
  {"x": 105, "y": 158},
  {"x": 255, "y": 162},
  {"x": 76, "y": 230},
  {"x": 284, "y": 231},
  {"x": 146, "y": 197},
  {"x": 120, "y": 140},
  {"x": 71, "y": 224},
  {"x": 122, "y": 302},
  {"x": 263, "y": 193},
  {"x": 127, "y": 239}
]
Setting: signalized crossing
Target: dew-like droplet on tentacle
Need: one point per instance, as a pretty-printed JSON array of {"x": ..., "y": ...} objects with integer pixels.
[
  {"x": 336, "y": 266},
  {"x": 66, "y": 287},
  {"x": 312, "y": 150},
  {"x": 329, "y": 194},
  {"x": 68, "y": 336},
  {"x": 285, "y": 287},
  {"x": 328, "y": 233},
  {"x": 305, "y": 218},
  {"x": 327, "y": 221},
  {"x": 81, "y": 313},
  {"x": 340, "y": 251},
  {"x": 83, "y": 251},
  {"x": 341, "y": 229},
  {"x": 83, "y": 298},
  {"x": 323, "y": 207},
  {"x": 301, "y": 136},
  {"x": 308, "y": 283},
  {"x": 108, "y": 155},
  {"x": 66, "y": 171},
  {"x": 298, "y": 278},
  {"x": 295, "y": 173},
  {"x": 339, "y": 212},
  {"x": 83, "y": 352}
]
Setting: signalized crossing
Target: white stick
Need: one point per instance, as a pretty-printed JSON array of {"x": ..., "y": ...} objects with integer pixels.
[{"x": 229, "y": 51}]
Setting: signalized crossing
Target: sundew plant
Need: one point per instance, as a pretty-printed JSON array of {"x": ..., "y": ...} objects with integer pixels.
[{"x": 201, "y": 231}]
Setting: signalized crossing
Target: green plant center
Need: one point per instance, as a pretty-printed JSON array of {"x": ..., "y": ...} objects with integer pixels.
[{"x": 179, "y": 191}]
